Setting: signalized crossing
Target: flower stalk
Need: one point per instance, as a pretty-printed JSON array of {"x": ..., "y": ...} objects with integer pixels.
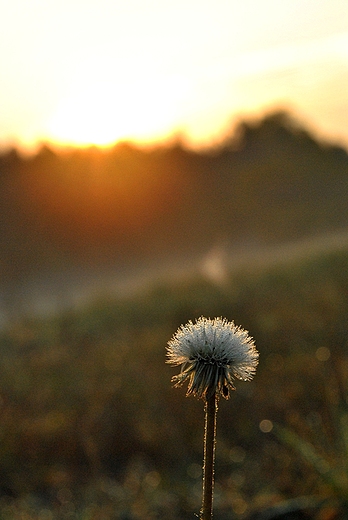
[{"x": 210, "y": 409}]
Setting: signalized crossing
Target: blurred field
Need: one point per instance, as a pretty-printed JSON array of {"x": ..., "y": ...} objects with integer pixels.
[
  {"x": 256, "y": 231},
  {"x": 91, "y": 428}
]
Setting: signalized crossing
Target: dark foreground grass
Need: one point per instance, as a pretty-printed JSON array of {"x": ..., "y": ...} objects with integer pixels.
[{"x": 91, "y": 428}]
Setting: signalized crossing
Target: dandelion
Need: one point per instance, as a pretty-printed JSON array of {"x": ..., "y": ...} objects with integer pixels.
[{"x": 212, "y": 354}]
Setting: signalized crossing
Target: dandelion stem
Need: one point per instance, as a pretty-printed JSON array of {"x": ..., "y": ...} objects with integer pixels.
[
  {"x": 211, "y": 406},
  {"x": 212, "y": 353}
]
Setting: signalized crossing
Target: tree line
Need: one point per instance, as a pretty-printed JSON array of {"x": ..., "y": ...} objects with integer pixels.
[{"x": 269, "y": 181}]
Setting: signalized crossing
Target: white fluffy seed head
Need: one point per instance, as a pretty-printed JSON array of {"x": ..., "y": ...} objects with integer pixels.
[{"x": 212, "y": 353}]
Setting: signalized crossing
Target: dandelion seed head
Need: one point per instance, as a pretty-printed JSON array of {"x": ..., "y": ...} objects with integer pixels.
[{"x": 212, "y": 353}]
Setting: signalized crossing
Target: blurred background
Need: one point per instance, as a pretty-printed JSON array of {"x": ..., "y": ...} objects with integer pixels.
[{"x": 160, "y": 161}]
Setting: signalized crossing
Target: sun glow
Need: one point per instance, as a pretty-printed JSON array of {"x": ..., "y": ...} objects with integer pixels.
[{"x": 102, "y": 109}]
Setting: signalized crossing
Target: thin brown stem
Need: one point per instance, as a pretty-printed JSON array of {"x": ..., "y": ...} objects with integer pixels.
[{"x": 211, "y": 406}]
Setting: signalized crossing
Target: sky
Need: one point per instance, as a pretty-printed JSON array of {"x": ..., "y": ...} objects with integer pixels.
[{"x": 97, "y": 71}]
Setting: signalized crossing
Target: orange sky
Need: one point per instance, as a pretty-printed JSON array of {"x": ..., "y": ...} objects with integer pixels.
[{"x": 97, "y": 71}]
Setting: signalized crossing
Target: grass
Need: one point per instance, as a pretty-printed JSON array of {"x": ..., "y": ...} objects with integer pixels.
[{"x": 91, "y": 428}]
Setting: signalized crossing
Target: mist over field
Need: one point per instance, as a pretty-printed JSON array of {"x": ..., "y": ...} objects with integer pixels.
[{"x": 73, "y": 222}]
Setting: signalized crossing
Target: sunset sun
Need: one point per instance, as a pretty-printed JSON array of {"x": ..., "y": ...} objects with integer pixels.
[{"x": 103, "y": 109}]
